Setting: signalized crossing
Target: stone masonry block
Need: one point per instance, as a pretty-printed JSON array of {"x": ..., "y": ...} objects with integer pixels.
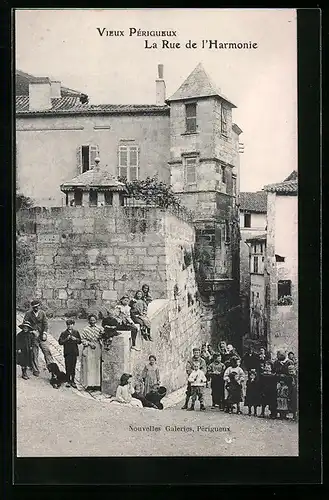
[
  {"x": 77, "y": 284},
  {"x": 63, "y": 260},
  {"x": 48, "y": 238},
  {"x": 156, "y": 250},
  {"x": 128, "y": 259},
  {"x": 43, "y": 259},
  {"x": 120, "y": 251},
  {"x": 137, "y": 251},
  {"x": 47, "y": 293},
  {"x": 110, "y": 295},
  {"x": 147, "y": 260},
  {"x": 56, "y": 283},
  {"x": 62, "y": 294},
  {"x": 104, "y": 273},
  {"x": 83, "y": 274},
  {"x": 88, "y": 294}
]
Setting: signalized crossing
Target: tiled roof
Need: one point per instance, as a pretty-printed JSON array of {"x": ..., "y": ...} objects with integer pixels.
[
  {"x": 95, "y": 177},
  {"x": 72, "y": 105},
  {"x": 23, "y": 79},
  {"x": 198, "y": 84},
  {"x": 253, "y": 202},
  {"x": 286, "y": 187},
  {"x": 292, "y": 177},
  {"x": 258, "y": 237}
]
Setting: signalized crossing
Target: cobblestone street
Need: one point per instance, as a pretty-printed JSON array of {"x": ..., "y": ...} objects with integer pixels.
[{"x": 53, "y": 423}]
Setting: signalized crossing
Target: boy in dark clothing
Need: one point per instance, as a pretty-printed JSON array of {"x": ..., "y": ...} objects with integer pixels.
[
  {"x": 70, "y": 339},
  {"x": 250, "y": 360},
  {"x": 267, "y": 389},
  {"x": 138, "y": 394}
]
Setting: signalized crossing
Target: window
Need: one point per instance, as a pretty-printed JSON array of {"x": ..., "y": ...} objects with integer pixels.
[
  {"x": 247, "y": 220},
  {"x": 227, "y": 232},
  {"x": 190, "y": 117},
  {"x": 234, "y": 185},
  {"x": 254, "y": 248},
  {"x": 78, "y": 198},
  {"x": 86, "y": 155},
  {"x": 279, "y": 258},
  {"x": 129, "y": 162},
  {"x": 108, "y": 197},
  {"x": 261, "y": 248},
  {"x": 223, "y": 174},
  {"x": 255, "y": 265},
  {"x": 93, "y": 198},
  {"x": 252, "y": 297},
  {"x": 223, "y": 121},
  {"x": 284, "y": 293},
  {"x": 190, "y": 170}
]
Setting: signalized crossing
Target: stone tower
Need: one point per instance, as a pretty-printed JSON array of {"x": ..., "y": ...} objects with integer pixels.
[{"x": 204, "y": 162}]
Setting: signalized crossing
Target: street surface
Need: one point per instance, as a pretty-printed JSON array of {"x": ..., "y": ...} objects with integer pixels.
[{"x": 63, "y": 423}]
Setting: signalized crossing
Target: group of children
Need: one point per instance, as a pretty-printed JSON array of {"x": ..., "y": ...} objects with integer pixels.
[
  {"x": 261, "y": 383},
  {"x": 126, "y": 315},
  {"x": 146, "y": 393}
]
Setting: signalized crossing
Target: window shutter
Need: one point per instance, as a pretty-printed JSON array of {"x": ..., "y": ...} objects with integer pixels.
[
  {"x": 93, "y": 153},
  {"x": 79, "y": 160}
]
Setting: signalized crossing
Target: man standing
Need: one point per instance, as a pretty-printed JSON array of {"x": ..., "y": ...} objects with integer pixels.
[
  {"x": 39, "y": 323},
  {"x": 189, "y": 367}
]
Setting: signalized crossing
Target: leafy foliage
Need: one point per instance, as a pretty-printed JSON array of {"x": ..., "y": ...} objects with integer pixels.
[
  {"x": 152, "y": 191},
  {"x": 23, "y": 202}
]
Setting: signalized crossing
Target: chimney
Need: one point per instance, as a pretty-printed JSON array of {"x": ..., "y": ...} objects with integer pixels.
[
  {"x": 40, "y": 94},
  {"x": 55, "y": 89},
  {"x": 160, "y": 87}
]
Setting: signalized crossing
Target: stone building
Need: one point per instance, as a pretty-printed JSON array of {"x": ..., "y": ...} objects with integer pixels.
[
  {"x": 282, "y": 263},
  {"x": 189, "y": 140},
  {"x": 252, "y": 209},
  {"x": 273, "y": 271}
]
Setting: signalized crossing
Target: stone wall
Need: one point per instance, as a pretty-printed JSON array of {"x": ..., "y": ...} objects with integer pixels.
[{"x": 88, "y": 256}]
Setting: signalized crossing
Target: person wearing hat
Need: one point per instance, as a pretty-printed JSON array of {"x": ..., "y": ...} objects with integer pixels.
[
  {"x": 38, "y": 320},
  {"x": 189, "y": 367},
  {"x": 24, "y": 346}
]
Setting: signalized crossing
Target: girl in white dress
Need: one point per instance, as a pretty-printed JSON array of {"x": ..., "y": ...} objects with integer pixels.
[{"x": 125, "y": 391}]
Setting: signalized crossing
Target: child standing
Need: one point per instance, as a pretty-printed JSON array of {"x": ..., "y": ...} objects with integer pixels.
[
  {"x": 151, "y": 375},
  {"x": 234, "y": 393},
  {"x": 292, "y": 384},
  {"x": 25, "y": 340},
  {"x": 216, "y": 371},
  {"x": 239, "y": 378},
  {"x": 282, "y": 394},
  {"x": 70, "y": 339},
  {"x": 198, "y": 380},
  {"x": 267, "y": 389},
  {"x": 252, "y": 399}
]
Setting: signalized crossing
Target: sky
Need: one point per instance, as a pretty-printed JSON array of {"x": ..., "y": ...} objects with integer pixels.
[{"x": 65, "y": 45}]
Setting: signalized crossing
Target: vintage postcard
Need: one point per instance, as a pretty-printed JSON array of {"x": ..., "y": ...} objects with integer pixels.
[{"x": 156, "y": 233}]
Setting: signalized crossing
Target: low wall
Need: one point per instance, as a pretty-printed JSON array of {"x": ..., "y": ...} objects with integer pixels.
[{"x": 174, "y": 334}]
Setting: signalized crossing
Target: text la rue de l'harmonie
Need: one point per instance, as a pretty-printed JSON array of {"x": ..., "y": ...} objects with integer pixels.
[{"x": 164, "y": 43}]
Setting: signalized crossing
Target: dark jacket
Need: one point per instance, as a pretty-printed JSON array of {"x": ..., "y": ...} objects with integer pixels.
[
  {"x": 24, "y": 345},
  {"x": 70, "y": 345},
  {"x": 280, "y": 368},
  {"x": 251, "y": 361},
  {"x": 39, "y": 322}
]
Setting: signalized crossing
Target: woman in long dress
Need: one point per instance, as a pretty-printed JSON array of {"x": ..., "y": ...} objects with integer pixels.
[
  {"x": 91, "y": 358},
  {"x": 151, "y": 376}
]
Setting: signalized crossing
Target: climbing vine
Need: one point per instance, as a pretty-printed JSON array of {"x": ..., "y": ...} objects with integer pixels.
[{"x": 152, "y": 191}]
